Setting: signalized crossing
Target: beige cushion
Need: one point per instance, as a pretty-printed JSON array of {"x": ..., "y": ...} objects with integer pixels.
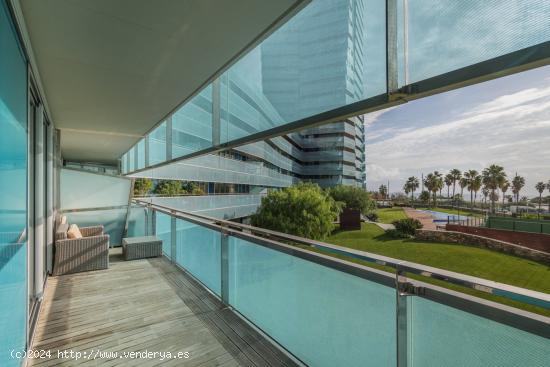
[
  {"x": 74, "y": 232},
  {"x": 63, "y": 219}
]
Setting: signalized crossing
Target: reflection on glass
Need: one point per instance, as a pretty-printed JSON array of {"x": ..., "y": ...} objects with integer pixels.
[
  {"x": 447, "y": 35},
  {"x": 163, "y": 227},
  {"x": 199, "y": 252},
  {"x": 329, "y": 55},
  {"x": 323, "y": 316},
  {"x": 445, "y": 336},
  {"x": 13, "y": 193},
  {"x": 192, "y": 125},
  {"x": 157, "y": 145}
]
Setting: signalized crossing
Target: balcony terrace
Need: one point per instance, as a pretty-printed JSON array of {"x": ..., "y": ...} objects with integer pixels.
[
  {"x": 145, "y": 305},
  {"x": 217, "y": 278}
]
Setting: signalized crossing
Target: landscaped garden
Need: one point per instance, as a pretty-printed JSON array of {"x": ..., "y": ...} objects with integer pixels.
[
  {"x": 463, "y": 259},
  {"x": 306, "y": 210},
  {"x": 388, "y": 215}
]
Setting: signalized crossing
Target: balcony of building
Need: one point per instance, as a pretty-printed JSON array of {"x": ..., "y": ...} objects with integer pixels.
[
  {"x": 158, "y": 89},
  {"x": 231, "y": 294}
]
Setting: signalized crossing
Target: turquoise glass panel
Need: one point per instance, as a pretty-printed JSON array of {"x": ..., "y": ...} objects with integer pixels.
[
  {"x": 131, "y": 160},
  {"x": 323, "y": 316},
  {"x": 446, "y": 35},
  {"x": 444, "y": 336},
  {"x": 331, "y": 54},
  {"x": 163, "y": 228},
  {"x": 13, "y": 193},
  {"x": 192, "y": 125},
  {"x": 157, "y": 145},
  {"x": 140, "y": 146},
  {"x": 198, "y": 250},
  {"x": 113, "y": 221},
  {"x": 137, "y": 220}
]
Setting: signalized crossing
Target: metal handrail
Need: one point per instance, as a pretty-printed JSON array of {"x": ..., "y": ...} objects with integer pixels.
[{"x": 487, "y": 286}]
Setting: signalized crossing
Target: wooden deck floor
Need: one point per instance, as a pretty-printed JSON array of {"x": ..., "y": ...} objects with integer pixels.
[{"x": 144, "y": 305}]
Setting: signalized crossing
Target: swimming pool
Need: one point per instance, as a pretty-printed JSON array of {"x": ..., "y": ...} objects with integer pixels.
[{"x": 442, "y": 217}]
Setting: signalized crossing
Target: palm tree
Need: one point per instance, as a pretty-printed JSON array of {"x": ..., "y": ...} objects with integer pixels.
[
  {"x": 540, "y": 186},
  {"x": 448, "y": 182},
  {"x": 406, "y": 188},
  {"x": 433, "y": 183},
  {"x": 457, "y": 175},
  {"x": 493, "y": 178},
  {"x": 476, "y": 185},
  {"x": 463, "y": 182},
  {"x": 485, "y": 192},
  {"x": 383, "y": 190},
  {"x": 470, "y": 177},
  {"x": 412, "y": 184},
  {"x": 504, "y": 187},
  {"x": 517, "y": 184}
]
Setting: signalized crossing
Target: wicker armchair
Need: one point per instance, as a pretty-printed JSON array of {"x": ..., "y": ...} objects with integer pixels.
[{"x": 91, "y": 252}]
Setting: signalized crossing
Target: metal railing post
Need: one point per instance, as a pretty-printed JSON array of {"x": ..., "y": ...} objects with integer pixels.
[
  {"x": 153, "y": 222},
  {"x": 225, "y": 266},
  {"x": 401, "y": 286},
  {"x": 173, "y": 239}
]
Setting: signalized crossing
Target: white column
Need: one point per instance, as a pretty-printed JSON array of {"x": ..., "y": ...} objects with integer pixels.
[{"x": 39, "y": 203}]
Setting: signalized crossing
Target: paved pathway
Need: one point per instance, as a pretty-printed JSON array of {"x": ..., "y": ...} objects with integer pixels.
[
  {"x": 384, "y": 226},
  {"x": 424, "y": 218}
]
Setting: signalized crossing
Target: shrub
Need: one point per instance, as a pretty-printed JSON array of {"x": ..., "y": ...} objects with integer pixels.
[
  {"x": 303, "y": 210},
  {"x": 168, "y": 188},
  {"x": 352, "y": 198},
  {"x": 373, "y": 217},
  {"x": 142, "y": 186},
  {"x": 407, "y": 226}
]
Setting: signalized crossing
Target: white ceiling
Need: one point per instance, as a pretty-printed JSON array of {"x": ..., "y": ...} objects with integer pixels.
[{"x": 112, "y": 69}]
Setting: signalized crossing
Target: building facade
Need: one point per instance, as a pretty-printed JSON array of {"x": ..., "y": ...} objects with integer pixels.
[{"x": 275, "y": 82}]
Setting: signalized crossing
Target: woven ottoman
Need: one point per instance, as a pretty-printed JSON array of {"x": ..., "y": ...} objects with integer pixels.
[{"x": 141, "y": 247}]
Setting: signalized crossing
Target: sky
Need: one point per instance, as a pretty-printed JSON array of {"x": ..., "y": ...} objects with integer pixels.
[{"x": 504, "y": 121}]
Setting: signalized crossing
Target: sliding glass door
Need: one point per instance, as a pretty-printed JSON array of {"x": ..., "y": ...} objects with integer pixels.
[{"x": 13, "y": 192}]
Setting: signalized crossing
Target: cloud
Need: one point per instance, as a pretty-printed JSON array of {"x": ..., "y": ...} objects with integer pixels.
[
  {"x": 512, "y": 130},
  {"x": 372, "y": 117},
  {"x": 379, "y": 173}
]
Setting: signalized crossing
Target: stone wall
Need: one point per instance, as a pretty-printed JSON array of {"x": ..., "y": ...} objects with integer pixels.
[
  {"x": 483, "y": 242},
  {"x": 535, "y": 241}
]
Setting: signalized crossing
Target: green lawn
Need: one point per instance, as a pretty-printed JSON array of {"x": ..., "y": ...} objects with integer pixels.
[
  {"x": 454, "y": 211},
  {"x": 459, "y": 258},
  {"x": 388, "y": 215}
]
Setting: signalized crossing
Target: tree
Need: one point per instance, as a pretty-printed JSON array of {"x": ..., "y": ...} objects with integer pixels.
[
  {"x": 463, "y": 182},
  {"x": 504, "y": 187},
  {"x": 142, "y": 186},
  {"x": 383, "y": 190},
  {"x": 424, "y": 197},
  {"x": 168, "y": 188},
  {"x": 406, "y": 188},
  {"x": 485, "y": 192},
  {"x": 493, "y": 178},
  {"x": 517, "y": 184},
  {"x": 433, "y": 183},
  {"x": 303, "y": 210},
  {"x": 470, "y": 177},
  {"x": 449, "y": 180},
  {"x": 352, "y": 197},
  {"x": 192, "y": 188},
  {"x": 540, "y": 186},
  {"x": 457, "y": 175},
  {"x": 476, "y": 186},
  {"x": 412, "y": 184}
]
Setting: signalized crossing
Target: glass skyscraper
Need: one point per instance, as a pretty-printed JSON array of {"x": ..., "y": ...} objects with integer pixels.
[{"x": 287, "y": 77}]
